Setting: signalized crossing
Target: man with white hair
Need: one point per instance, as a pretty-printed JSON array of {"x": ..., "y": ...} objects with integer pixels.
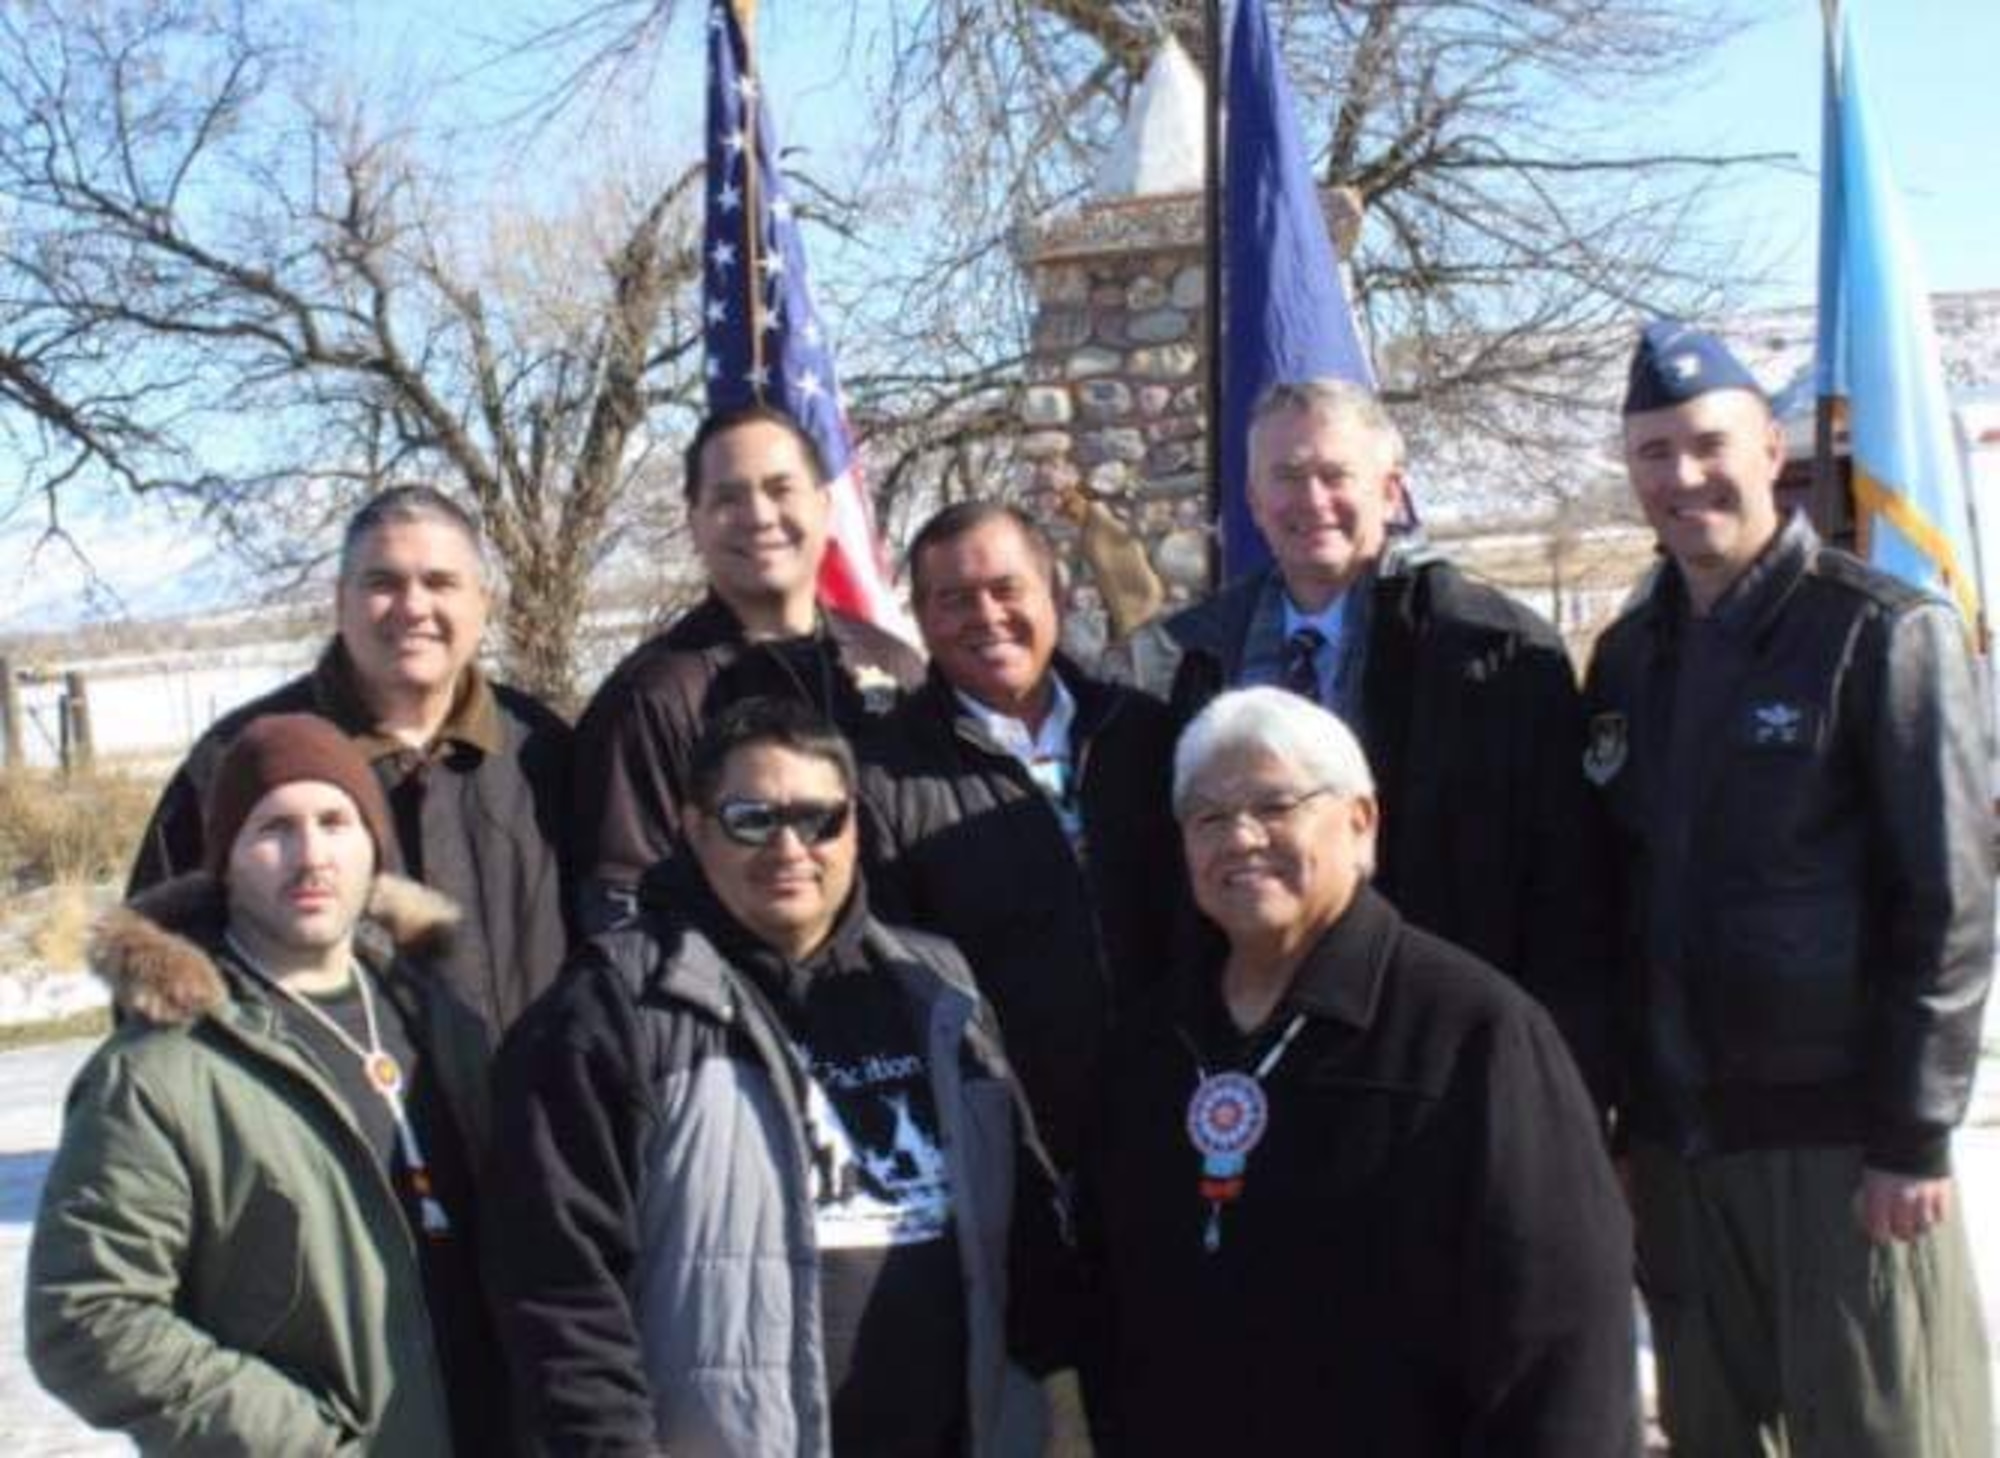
[
  {"x": 1464, "y": 699},
  {"x": 1349, "y": 1184}
]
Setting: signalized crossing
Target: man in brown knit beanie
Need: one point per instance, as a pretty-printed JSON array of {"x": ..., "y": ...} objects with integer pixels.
[
  {"x": 215, "y": 1262},
  {"x": 276, "y": 750}
]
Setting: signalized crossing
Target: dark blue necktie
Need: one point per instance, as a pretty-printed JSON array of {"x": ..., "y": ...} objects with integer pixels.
[{"x": 1301, "y": 674}]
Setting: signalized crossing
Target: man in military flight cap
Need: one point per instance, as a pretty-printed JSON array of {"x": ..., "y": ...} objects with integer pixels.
[{"x": 1789, "y": 747}]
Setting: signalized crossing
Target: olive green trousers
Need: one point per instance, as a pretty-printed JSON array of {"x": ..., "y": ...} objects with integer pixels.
[{"x": 1781, "y": 1331}]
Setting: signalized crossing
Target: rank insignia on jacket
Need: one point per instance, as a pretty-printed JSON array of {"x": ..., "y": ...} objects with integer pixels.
[
  {"x": 1778, "y": 725},
  {"x": 877, "y": 687},
  {"x": 1604, "y": 754}
]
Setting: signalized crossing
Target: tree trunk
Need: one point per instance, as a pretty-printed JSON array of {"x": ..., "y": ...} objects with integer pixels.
[{"x": 539, "y": 627}]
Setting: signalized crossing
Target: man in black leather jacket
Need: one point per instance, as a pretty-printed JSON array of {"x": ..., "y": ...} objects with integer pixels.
[{"x": 1790, "y": 748}]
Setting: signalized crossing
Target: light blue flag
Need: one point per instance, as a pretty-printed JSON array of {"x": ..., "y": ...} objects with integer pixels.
[{"x": 1879, "y": 354}]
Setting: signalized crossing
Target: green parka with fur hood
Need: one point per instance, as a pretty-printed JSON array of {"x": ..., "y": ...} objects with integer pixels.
[{"x": 220, "y": 1265}]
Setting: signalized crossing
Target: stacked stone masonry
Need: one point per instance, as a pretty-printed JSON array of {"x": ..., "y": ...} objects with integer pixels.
[{"x": 1114, "y": 411}]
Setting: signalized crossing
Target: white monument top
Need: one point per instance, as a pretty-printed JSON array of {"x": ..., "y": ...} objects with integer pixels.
[{"x": 1160, "y": 148}]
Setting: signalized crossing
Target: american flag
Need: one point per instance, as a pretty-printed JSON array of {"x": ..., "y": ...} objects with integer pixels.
[{"x": 764, "y": 342}]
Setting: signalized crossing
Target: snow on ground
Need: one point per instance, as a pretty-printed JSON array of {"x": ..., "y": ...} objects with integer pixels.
[
  {"x": 32, "y": 1423},
  {"x": 36, "y": 994},
  {"x": 32, "y": 989}
]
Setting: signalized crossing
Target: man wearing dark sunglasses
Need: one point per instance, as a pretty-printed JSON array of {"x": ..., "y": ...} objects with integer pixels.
[{"x": 764, "y": 1158}]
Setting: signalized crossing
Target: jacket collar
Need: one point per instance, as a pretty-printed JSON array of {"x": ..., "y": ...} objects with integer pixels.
[
  {"x": 1096, "y": 703},
  {"x": 1340, "y": 978},
  {"x": 776, "y": 975},
  {"x": 849, "y": 648},
  {"x": 712, "y": 623},
  {"x": 708, "y": 624},
  {"x": 1754, "y": 600},
  {"x": 474, "y": 720},
  {"x": 156, "y": 954},
  {"x": 1246, "y": 618},
  {"x": 1220, "y": 626},
  {"x": 702, "y": 943}
]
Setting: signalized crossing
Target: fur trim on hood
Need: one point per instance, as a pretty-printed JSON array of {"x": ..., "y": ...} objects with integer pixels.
[{"x": 152, "y": 952}]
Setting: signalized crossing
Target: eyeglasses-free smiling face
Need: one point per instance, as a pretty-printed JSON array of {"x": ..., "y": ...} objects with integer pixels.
[
  {"x": 412, "y": 607},
  {"x": 1705, "y": 473},
  {"x": 988, "y": 616},
  {"x": 778, "y": 847},
  {"x": 1323, "y": 490},
  {"x": 1273, "y": 858},
  {"x": 760, "y": 520}
]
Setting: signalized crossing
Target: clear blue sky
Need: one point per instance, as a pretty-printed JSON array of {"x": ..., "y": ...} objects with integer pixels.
[{"x": 1932, "y": 70}]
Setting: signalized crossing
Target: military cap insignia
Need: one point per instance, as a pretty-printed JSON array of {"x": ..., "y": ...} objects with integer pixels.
[{"x": 1604, "y": 754}]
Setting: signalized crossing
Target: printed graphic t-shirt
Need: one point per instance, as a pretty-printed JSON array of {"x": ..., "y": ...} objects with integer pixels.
[{"x": 891, "y": 1291}]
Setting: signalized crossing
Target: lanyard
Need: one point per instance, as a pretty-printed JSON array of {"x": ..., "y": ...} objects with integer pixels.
[{"x": 383, "y": 1073}]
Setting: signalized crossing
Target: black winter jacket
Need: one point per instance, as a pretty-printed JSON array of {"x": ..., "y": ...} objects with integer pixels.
[
  {"x": 1473, "y": 726},
  {"x": 1803, "y": 829},
  {"x": 480, "y": 819},
  {"x": 1429, "y": 1256},
  {"x": 963, "y": 843},
  {"x": 656, "y": 1253},
  {"x": 634, "y": 739}
]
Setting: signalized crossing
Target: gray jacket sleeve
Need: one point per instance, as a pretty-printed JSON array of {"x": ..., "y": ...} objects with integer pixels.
[
  {"x": 1933, "y": 880},
  {"x": 104, "y": 1270}
]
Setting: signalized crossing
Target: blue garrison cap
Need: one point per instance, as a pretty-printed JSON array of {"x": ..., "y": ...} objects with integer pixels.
[{"x": 1675, "y": 362}]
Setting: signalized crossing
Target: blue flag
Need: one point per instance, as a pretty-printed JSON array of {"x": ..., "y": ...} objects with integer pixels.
[
  {"x": 1878, "y": 354},
  {"x": 1288, "y": 316}
]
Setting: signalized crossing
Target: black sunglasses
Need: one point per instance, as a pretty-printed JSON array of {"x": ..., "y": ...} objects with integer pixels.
[{"x": 756, "y": 823}]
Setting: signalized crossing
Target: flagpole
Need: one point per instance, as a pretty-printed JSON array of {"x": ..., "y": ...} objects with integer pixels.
[
  {"x": 1826, "y": 508},
  {"x": 753, "y": 241},
  {"x": 1212, "y": 212}
]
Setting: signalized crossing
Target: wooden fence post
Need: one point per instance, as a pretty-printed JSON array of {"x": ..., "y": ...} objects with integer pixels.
[
  {"x": 79, "y": 749},
  {"x": 13, "y": 750}
]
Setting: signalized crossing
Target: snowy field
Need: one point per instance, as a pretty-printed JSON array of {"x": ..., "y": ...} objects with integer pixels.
[{"x": 33, "y": 1425}]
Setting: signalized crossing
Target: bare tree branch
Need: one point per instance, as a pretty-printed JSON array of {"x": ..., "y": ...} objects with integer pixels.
[{"x": 193, "y": 242}]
